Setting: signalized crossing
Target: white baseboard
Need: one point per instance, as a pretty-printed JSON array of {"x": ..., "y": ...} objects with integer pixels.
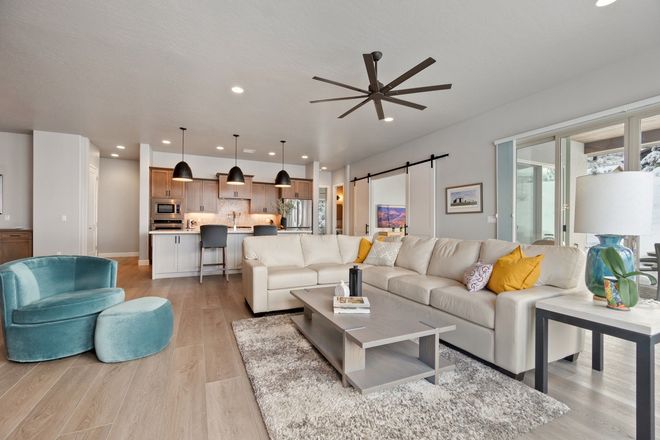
[
  {"x": 143, "y": 262},
  {"x": 118, "y": 254}
]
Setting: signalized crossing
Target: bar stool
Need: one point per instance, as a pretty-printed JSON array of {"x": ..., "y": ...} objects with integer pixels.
[
  {"x": 259, "y": 230},
  {"x": 213, "y": 237}
]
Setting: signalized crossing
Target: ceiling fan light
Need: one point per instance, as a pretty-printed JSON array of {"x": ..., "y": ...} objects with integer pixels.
[
  {"x": 235, "y": 176},
  {"x": 182, "y": 172},
  {"x": 282, "y": 180}
]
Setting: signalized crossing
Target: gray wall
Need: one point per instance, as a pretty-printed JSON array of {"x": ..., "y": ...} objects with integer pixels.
[
  {"x": 119, "y": 188},
  {"x": 470, "y": 143},
  {"x": 16, "y": 169}
]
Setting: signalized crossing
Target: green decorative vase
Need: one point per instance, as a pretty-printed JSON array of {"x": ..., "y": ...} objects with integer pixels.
[{"x": 596, "y": 269}]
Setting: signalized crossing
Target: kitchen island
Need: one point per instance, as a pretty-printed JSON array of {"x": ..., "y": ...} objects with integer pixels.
[{"x": 175, "y": 252}]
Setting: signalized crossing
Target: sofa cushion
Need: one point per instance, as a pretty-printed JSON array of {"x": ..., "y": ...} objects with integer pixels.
[
  {"x": 562, "y": 266},
  {"x": 383, "y": 254},
  {"x": 348, "y": 247},
  {"x": 379, "y": 276},
  {"x": 284, "y": 277},
  {"x": 68, "y": 305},
  {"x": 452, "y": 257},
  {"x": 330, "y": 273},
  {"x": 274, "y": 250},
  {"x": 477, "y": 307},
  {"x": 320, "y": 249},
  {"x": 418, "y": 287},
  {"x": 415, "y": 253}
]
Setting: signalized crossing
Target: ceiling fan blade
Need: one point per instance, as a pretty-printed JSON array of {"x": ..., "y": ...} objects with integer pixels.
[
  {"x": 369, "y": 63},
  {"x": 412, "y": 72},
  {"x": 338, "y": 99},
  {"x": 354, "y": 108},
  {"x": 346, "y": 86},
  {"x": 379, "y": 108},
  {"x": 402, "y": 102},
  {"x": 419, "y": 90}
]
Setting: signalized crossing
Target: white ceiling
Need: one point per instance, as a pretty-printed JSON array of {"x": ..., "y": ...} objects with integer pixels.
[{"x": 125, "y": 71}]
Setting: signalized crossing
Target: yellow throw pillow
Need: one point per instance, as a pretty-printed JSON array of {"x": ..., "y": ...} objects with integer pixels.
[
  {"x": 363, "y": 251},
  {"x": 515, "y": 272}
]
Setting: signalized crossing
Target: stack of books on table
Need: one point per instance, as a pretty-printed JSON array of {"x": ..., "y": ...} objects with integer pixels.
[{"x": 351, "y": 304}]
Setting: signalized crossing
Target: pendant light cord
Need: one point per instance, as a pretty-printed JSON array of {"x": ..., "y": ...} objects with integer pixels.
[
  {"x": 283, "y": 153},
  {"x": 183, "y": 141},
  {"x": 236, "y": 150}
]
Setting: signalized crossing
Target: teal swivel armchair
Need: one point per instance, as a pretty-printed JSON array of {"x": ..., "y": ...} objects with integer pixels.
[{"x": 50, "y": 304}]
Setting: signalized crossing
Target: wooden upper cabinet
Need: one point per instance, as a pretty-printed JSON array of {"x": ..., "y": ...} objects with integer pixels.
[
  {"x": 272, "y": 196},
  {"x": 201, "y": 196},
  {"x": 264, "y": 198},
  {"x": 299, "y": 189},
  {"x": 210, "y": 195},
  {"x": 163, "y": 187},
  {"x": 226, "y": 191}
]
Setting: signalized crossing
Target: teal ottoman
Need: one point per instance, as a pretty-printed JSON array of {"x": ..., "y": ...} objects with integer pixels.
[{"x": 133, "y": 329}]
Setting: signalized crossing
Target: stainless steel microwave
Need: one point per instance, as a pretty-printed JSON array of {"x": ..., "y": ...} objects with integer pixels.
[{"x": 166, "y": 207}]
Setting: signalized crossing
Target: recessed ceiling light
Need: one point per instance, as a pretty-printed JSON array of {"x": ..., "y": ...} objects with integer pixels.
[
  {"x": 219, "y": 147},
  {"x": 114, "y": 155},
  {"x": 324, "y": 168},
  {"x": 238, "y": 90},
  {"x": 388, "y": 119},
  {"x": 166, "y": 142},
  {"x": 601, "y": 3},
  {"x": 121, "y": 147},
  {"x": 249, "y": 150},
  {"x": 271, "y": 153},
  {"x": 304, "y": 156}
]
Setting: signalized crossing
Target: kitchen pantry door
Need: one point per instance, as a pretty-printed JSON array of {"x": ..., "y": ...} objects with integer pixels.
[
  {"x": 361, "y": 203},
  {"x": 92, "y": 210}
]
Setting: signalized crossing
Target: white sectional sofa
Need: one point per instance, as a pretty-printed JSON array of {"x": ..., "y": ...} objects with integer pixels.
[{"x": 428, "y": 272}]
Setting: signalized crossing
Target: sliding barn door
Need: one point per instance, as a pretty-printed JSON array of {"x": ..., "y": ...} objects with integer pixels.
[
  {"x": 421, "y": 200},
  {"x": 361, "y": 204}
]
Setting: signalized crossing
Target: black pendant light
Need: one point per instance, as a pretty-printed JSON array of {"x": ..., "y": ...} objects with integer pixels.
[
  {"x": 182, "y": 171},
  {"x": 235, "y": 176},
  {"x": 282, "y": 180}
]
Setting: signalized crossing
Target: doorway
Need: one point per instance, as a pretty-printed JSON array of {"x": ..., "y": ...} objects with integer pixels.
[{"x": 338, "y": 222}]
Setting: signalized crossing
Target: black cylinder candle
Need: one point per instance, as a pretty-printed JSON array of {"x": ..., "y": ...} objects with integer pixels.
[{"x": 355, "y": 281}]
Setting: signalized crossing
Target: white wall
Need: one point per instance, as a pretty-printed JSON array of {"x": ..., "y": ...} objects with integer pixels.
[
  {"x": 16, "y": 169},
  {"x": 206, "y": 167},
  {"x": 119, "y": 189},
  {"x": 144, "y": 208},
  {"x": 60, "y": 164},
  {"x": 470, "y": 143}
]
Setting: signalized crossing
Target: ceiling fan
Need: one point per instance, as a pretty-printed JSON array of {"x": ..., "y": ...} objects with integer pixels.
[{"x": 377, "y": 92}]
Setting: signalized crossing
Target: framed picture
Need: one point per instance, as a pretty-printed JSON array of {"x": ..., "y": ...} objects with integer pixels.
[
  {"x": 389, "y": 216},
  {"x": 464, "y": 199}
]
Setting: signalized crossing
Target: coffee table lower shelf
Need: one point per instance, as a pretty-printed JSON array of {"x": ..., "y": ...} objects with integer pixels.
[{"x": 385, "y": 366}]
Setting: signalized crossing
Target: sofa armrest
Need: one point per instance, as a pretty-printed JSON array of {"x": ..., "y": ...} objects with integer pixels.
[
  {"x": 255, "y": 285},
  {"x": 515, "y": 318},
  {"x": 8, "y": 296}
]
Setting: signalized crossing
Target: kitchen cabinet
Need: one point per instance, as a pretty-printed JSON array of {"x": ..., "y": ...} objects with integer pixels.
[
  {"x": 299, "y": 189},
  {"x": 264, "y": 198},
  {"x": 162, "y": 185},
  {"x": 226, "y": 191},
  {"x": 15, "y": 245},
  {"x": 201, "y": 196}
]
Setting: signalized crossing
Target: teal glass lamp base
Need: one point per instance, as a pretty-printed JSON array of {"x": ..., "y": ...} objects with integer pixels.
[{"x": 596, "y": 269}]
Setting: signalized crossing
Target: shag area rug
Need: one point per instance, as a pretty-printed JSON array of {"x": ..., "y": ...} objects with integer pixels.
[{"x": 301, "y": 396}]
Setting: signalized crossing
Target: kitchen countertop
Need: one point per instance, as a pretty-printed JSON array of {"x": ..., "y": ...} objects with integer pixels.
[{"x": 244, "y": 231}]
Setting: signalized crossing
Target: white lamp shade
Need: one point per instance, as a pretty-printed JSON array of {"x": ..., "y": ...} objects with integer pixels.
[{"x": 616, "y": 203}]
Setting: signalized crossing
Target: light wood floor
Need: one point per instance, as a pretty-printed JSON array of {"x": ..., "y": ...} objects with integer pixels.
[{"x": 197, "y": 388}]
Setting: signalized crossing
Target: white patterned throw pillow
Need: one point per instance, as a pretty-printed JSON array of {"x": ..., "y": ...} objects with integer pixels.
[
  {"x": 476, "y": 276},
  {"x": 383, "y": 253}
]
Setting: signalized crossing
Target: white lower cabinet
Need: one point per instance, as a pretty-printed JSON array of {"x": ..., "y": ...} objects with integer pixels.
[{"x": 177, "y": 255}]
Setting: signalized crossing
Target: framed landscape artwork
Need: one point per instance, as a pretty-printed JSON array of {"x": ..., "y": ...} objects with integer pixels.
[
  {"x": 391, "y": 216},
  {"x": 464, "y": 199}
]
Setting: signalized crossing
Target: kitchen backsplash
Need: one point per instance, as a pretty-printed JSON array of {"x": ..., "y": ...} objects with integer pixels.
[{"x": 224, "y": 216}]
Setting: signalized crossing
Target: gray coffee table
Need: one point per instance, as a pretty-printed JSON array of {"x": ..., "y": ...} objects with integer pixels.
[{"x": 375, "y": 351}]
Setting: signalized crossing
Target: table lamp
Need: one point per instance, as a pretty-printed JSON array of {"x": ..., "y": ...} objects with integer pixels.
[{"x": 612, "y": 206}]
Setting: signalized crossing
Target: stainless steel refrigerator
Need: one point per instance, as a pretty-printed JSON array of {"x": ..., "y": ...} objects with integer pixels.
[{"x": 300, "y": 216}]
